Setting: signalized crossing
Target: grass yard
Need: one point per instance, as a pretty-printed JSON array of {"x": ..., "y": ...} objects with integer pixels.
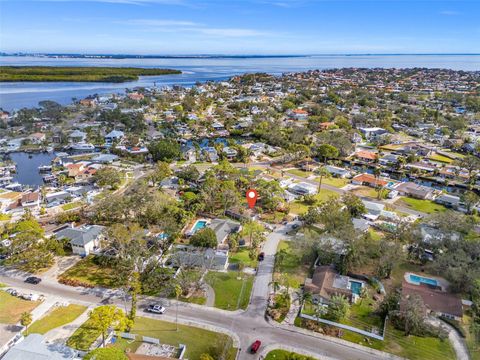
[
  {"x": 242, "y": 256},
  {"x": 198, "y": 341},
  {"x": 333, "y": 181},
  {"x": 300, "y": 173},
  {"x": 440, "y": 158},
  {"x": 5, "y": 217},
  {"x": 290, "y": 268},
  {"x": 12, "y": 307},
  {"x": 366, "y": 191},
  {"x": 56, "y": 318},
  {"x": 425, "y": 206},
  {"x": 299, "y": 207},
  {"x": 472, "y": 345},
  {"x": 230, "y": 292},
  {"x": 83, "y": 337},
  {"x": 375, "y": 234},
  {"x": 86, "y": 270},
  {"x": 285, "y": 355},
  {"x": 72, "y": 205}
]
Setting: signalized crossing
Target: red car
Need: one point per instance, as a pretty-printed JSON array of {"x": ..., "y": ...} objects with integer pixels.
[
  {"x": 261, "y": 256},
  {"x": 255, "y": 346}
]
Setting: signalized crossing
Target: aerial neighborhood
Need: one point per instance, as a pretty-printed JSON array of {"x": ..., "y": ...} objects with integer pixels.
[{"x": 126, "y": 231}]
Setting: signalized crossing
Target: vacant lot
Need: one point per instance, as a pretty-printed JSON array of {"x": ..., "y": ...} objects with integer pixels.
[
  {"x": 56, "y": 318},
  {"x": 12, "y": 307},
  {"x": 198, "y": 341},
  {"x": 231, "y": 291},
  {"x": 425, "y": 206},
  {"x": 87, "y": 271},
  {"x": 285, "y": 355}
]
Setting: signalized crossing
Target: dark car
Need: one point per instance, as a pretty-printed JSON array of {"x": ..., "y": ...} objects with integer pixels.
[
  {"x": 261, "y": 256},
  {"x": 255, "y": 346},
  {"x": 156, "y": 309},
  {"x": 33, "y": 280},
  {"x": 295, "y": 226}
]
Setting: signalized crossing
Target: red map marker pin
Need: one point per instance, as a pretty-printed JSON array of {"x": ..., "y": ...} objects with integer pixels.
[{"x": 252, "y": 196}]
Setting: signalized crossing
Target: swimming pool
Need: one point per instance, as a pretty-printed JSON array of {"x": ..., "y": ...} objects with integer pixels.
[
  {"x": 356, "y": 287},
  {"x": 200, "y": 224},
  {"x": 422, "y": 280}
]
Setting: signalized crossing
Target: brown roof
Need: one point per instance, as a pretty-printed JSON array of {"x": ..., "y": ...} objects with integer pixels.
[
  {"x": 369, "y": 179},
  {"x": 322, "y": 283},
  {"x": 30, "y": 197},
  {"x": 434, "y": 299},
  {"x": 366, "y": 155}
]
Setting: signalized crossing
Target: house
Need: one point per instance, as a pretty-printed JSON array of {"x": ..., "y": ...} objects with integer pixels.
[
  {"x": 366, "y": 156},
  {"x": 450, "y": 201},
  {"x": 369, "y": 180},
  {"x": 229, "y": 152},
  {"x": 89, "y": 102},
  {"x": 436, "y": 301},
  {"x": 31, "y": 200},
  {"x": 35, "y": 347},
  {"x": 57, "y": 198},
  {"x": 77, "y": 136},
  {"x": 389, "y": 159},
  {"x": 210, "y": 153},
  {"x": 189, "y": 153},
  {"x": 37, "y": 138},
  {"x": 190, "y": 256},
  {"x": 338, "y": 171},
  {"x": 136, "y": 96},
  {"x": 302, "y": 188},
  {"x": 84, "y": 239},
  {"x": 223, "y": 228},
  {"x": 415, "y": 190},
  {"x": 299, "y": 114},
  {"x": 114, "y": 136},
  {"x": 325, "y": 283},
  {"x": 105, "y": 158},
  {"x": 374, "y": 210},
  {"x": 372, "y": 132}
]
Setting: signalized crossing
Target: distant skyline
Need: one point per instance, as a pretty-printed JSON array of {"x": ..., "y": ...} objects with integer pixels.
[{"x": 240, "y": 27}]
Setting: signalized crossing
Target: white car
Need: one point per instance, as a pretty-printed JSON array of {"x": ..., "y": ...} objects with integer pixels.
[{"x": 156, "y": 309}]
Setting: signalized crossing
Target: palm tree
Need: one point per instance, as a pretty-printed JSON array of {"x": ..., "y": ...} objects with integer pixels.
[
  {"x": 303, "y": 296},
  {"x": 275, "y": 286},
  {"x": 323, "y": 172}
]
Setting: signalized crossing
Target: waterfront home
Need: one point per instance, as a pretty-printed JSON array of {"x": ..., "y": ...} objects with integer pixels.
[
  {"x": 84, "y": 239},
  {"x": 389, "y": 159},
  {"x": 450, "y": 201},
  {"x": 31, "y": 200},
  {"x": 37, "y": 138},
  {"x": 210, "y": 154},
  {"x": 338, "y": 171},
  {"x": 366, "y": 156},
  {"x": 57, "y": 198},
  {"x": 89, "y": 102},
  {"x": 436, "y": 301},
  {"x": 369, "y": 180},
  {"x": 77, "y": 136},
  {"x": 415, "y": 190},
  {"x": 229, "y": 152},
  {"x": 136, "y": 96},
  {"x": 114, "y": 136},
  {"x": 105, "y": 158},
  {"x": 189, "y": 153}
]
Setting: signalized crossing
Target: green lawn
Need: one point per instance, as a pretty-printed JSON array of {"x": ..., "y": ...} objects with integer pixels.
[
  {"x": 231, "y": 293},
  {"x": 440, "y": 158},
  {"x": 86, "y": 270},
  {"x": 425, "y": 206},
  {"x": 5, "y": 217},
  {"x": 472, "y": 345},
  {"x": 72, "y": 205},
  {"x": 300, "y": 207},
  {"x": 285, "y": 355},
  {"x": 333, "y": 181},
  {"x": 56, "y": 318},
  {"x": 83, "y": 337},
  {"x": 290, "y": 268},
  {"x": 300, "y": 173},
  {"x": 12, "y": 307},
  {"x": 375, "y": 234},
  {"x": 242, "y": 256},
  {"x": 198, "y": 341}
]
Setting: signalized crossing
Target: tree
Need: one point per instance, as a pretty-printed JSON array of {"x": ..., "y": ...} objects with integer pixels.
[
  {"x": 108, "y": 176},
  {"x": 26, "y": 319},
  {"x": 204, "y": 238},
  {"x": 254, "y": 231},
  {"x": 471, "y": 163},
  {"x": 354, "y": 204},
  {"x": 303, "y": 297},
  {"x": 160, "y": 171},
  {"x": 105, "y": 317},
  {"x": 206, "y": 357},
  {"x": 470, "y": 199},
  {"x": 322, "y": 172},
  {"x": 164, "y": 150},
  {"x": 109, "y": 353},
  {"x": 337, "y": 308},
  {"x": 413, "y": 314},
  {"x": 326, "y": 152}
]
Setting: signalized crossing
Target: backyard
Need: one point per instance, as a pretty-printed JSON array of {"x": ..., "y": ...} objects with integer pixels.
[
  {"x": 231, "y": 292},
  {"x": 88, "y": 272},
  {"x": 425, "y": 206},
  {"x": 241, "y": 256},
  {"x": 12, "y": 307},
  {"x": 56, "y": 318},
  {"x": 289, "y": 269},
  {"x": 198, "y": 341},
  {"x": 299, "y": 207}
]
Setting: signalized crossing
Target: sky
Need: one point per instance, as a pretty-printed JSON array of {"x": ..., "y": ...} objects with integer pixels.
[{"x": 161, "y": 27}]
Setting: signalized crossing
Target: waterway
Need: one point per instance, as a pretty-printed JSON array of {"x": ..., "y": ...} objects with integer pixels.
[
  {"x": 27, "y": 167},
  {"x": 15, "y": 95}
]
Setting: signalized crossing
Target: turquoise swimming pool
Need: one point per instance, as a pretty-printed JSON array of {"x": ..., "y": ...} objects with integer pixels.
[
  {"x": 200, "y": 224},
  {"x": 356, "y": 287},
  {"x": 422, "y": 280}
]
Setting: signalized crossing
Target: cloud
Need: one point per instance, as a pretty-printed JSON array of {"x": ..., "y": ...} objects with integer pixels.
[{"x": 162, "y": 25}]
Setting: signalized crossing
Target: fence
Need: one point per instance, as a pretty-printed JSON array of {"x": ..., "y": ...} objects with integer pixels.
[{"x": 346, "y": 327}]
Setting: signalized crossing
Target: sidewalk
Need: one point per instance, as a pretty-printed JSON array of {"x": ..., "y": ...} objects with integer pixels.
[{"x": 61, "y": 334}]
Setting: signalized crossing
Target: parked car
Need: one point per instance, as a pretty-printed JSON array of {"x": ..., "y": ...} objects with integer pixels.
[
  {"x": 295, "y": 226},
  {"x": 33, "y": 280},
  {"x": 156, "y": 309},
  {"x": 32, "y": 297},
  {"x": 255, "y": 346},
  {"x": 12, "y": 292},
  {"x": 261, "y": 256}
]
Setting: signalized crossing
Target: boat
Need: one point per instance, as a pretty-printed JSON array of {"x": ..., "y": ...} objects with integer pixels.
[
  {"x": 49, "y": 178},
  {"x": 45, "y": 168},
  {"x": 82, "y": 147},
  {"x": 14, "y": 187}
]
